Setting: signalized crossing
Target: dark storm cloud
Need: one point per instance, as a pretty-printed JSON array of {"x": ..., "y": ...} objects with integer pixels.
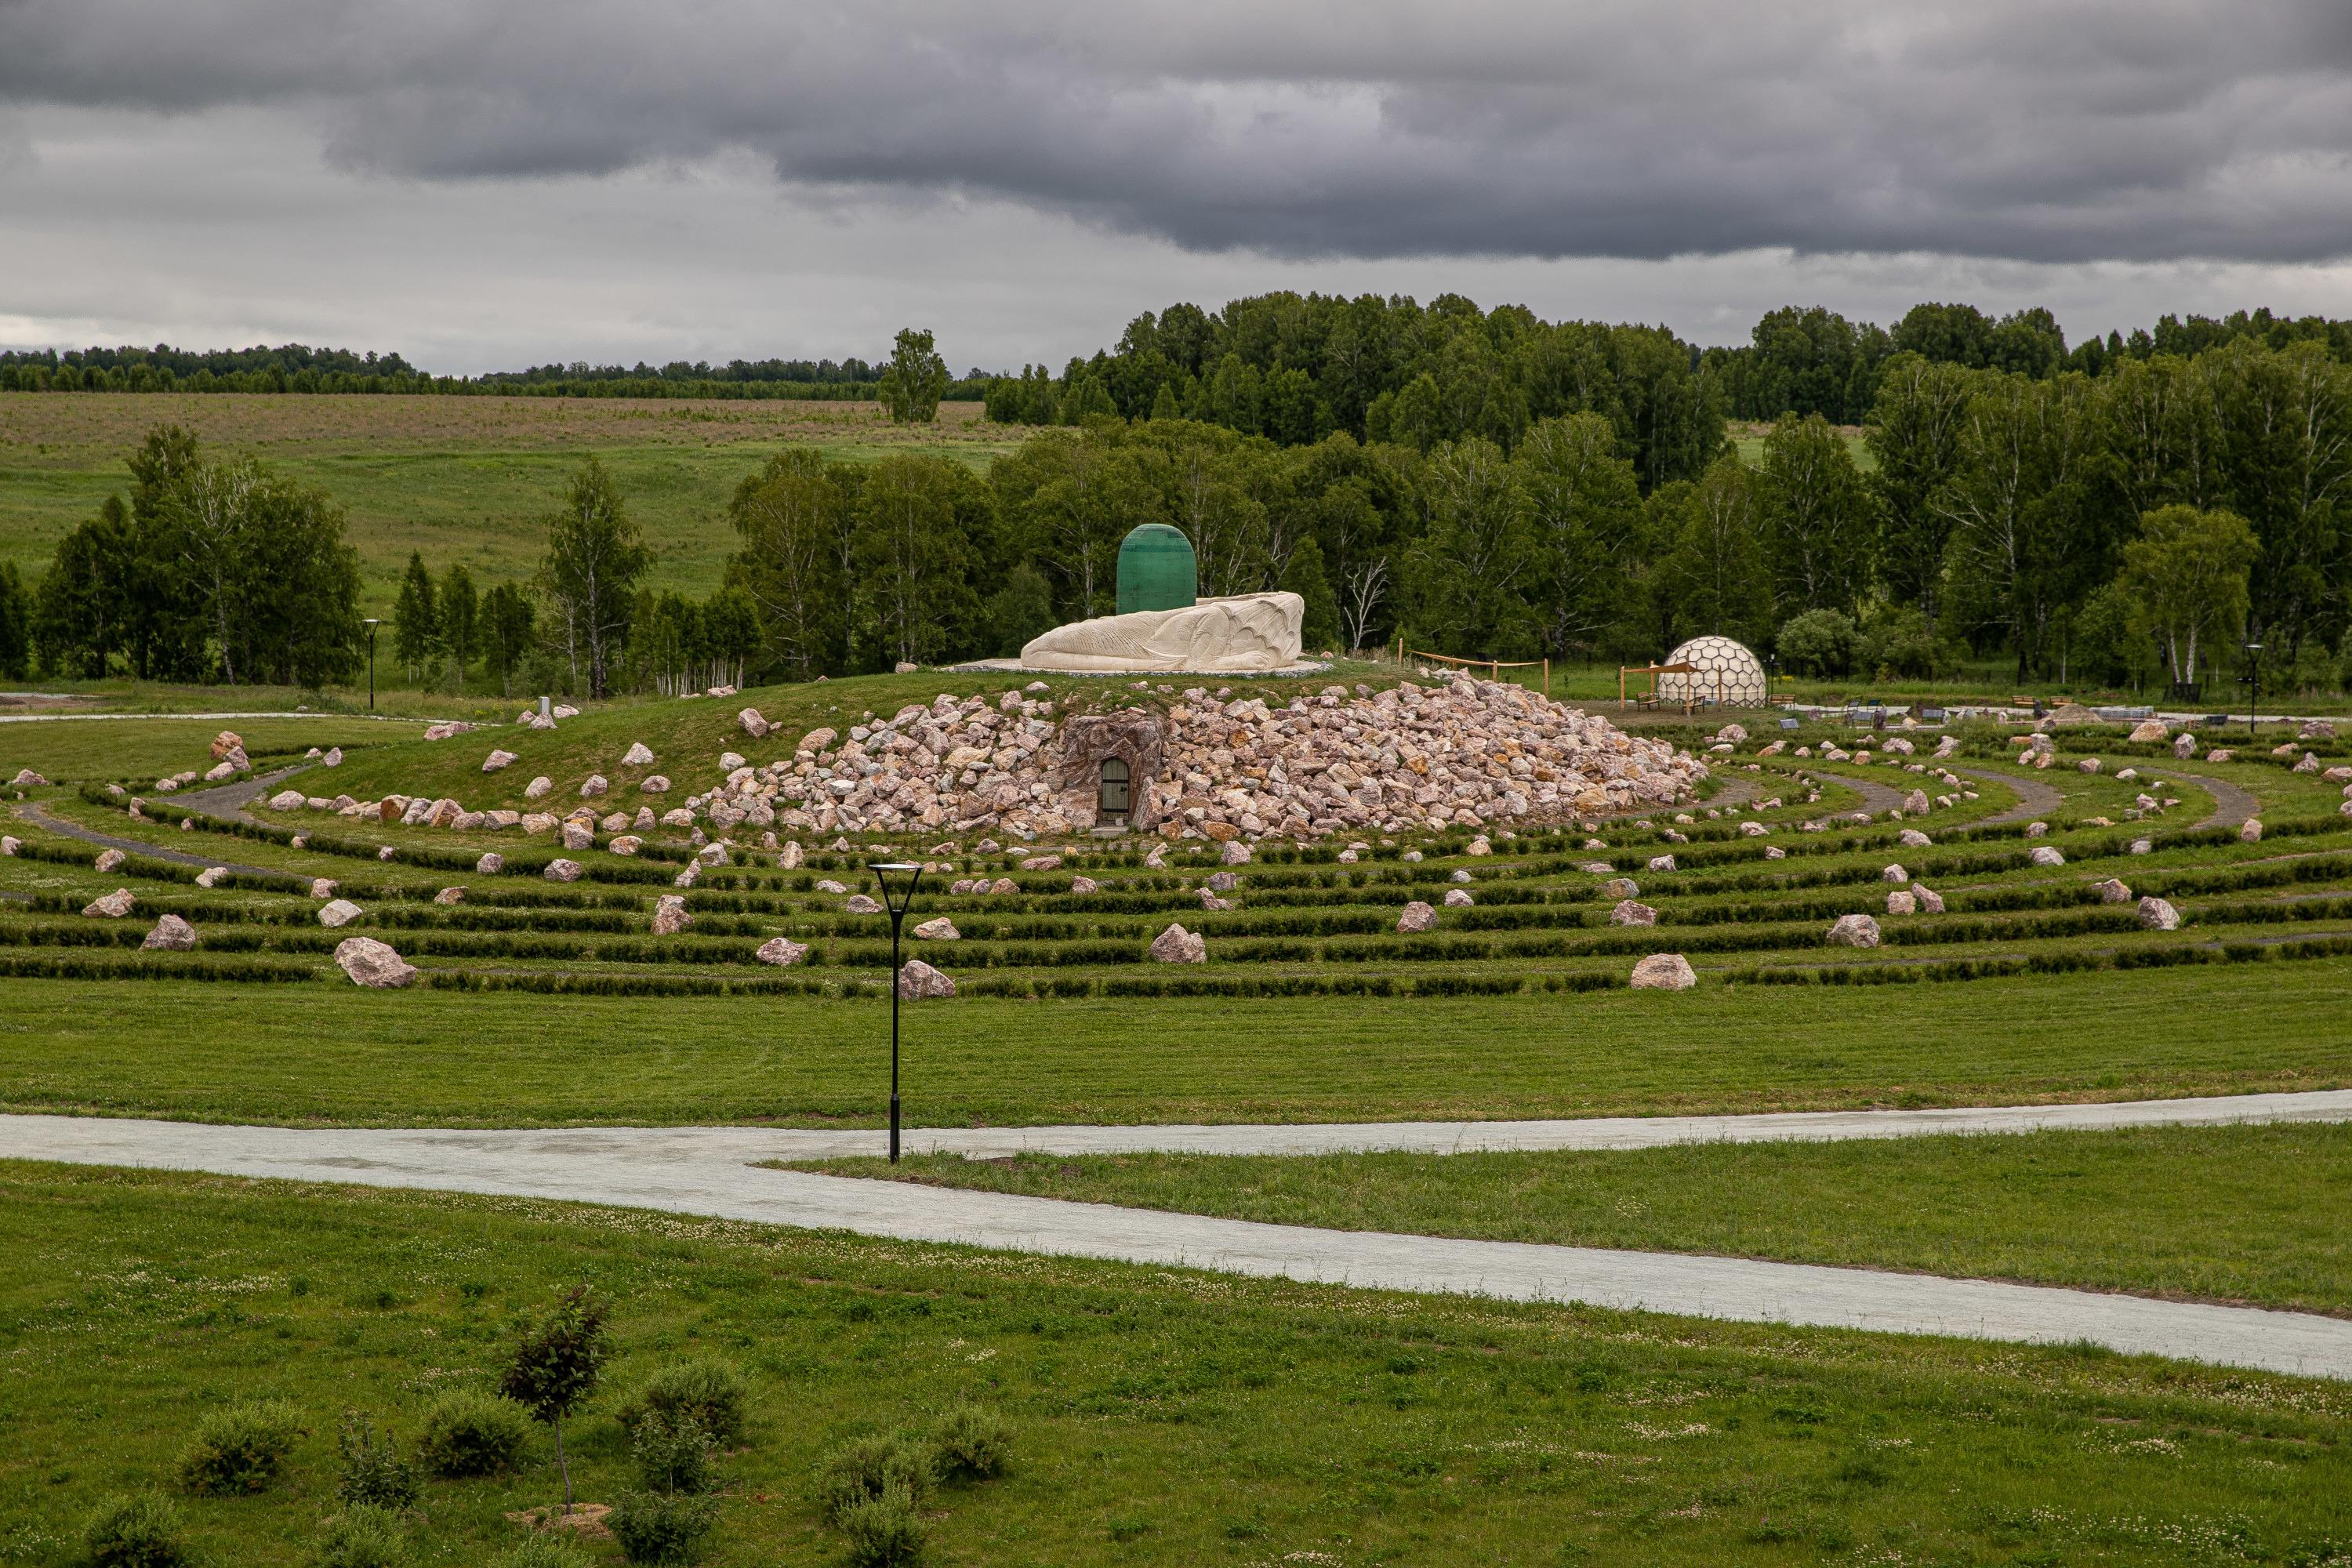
[{"x": 2042, "y": 132}]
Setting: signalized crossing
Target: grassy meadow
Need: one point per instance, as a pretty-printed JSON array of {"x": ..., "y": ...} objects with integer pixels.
[
  {"x": 461, "y": 479},
  {"x": 1156, "y": 1416}
]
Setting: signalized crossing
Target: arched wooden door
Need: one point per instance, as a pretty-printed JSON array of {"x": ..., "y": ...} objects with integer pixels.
[{"x": 1112, "y": 804}]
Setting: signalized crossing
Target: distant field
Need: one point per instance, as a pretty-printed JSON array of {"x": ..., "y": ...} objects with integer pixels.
[{"x": 461, "y": 479}]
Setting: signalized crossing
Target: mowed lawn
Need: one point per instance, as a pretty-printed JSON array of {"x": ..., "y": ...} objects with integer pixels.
[
  {"x": 333, "y": 1054},
  {"x": 468, "y": 479},
  {"x": 2231, "y": 1214},
  {"x": 1157, "y": 1417}
]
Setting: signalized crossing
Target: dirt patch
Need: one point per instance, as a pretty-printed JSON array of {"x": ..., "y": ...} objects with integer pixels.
[{"x": 586, "y": 1520}]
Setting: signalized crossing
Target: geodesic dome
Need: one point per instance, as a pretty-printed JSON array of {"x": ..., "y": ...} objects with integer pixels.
[{"x": 1722, "y": 671}]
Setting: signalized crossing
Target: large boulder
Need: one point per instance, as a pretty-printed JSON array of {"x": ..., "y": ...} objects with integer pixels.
[
  {"x": 323, "y": 886},
  {"x": 918, "y": 981},
  {"x": 450, "y": 896},
  {"x": 655, "y": 784},
  {"x": 372, "y": 964},
  {"x": 172, "y": 934},
  {"x": 562, "y": 871},
  {"x": 940, "y": 929},
  {"x": 1662, "y": 863},
  {"x": 1628, "y": 913},
  {"x": 338, "y": 912},
  {"x": 539, "y": 787},
  {"x": 108, "y": 860},
  {"x": 1902, "y": 901},
  {"x": 286, "y": 800},
  {"x": 2150, "y": 731},
  {"x": 781, "y": 950},
  {"x": 753, "y": 724},
  {"x": 578, "y": 835},
  {"x": 2251, "y": 830},
  {"x": 1177, "y": 945},
  {"x": 1854, "y": 930},
  {"x": 334, "y": 757},
  {"x": 593, "y": 786},
  {"x": 1620, "y": 888},
  {"x": 212, "y": 876},
  {"x": 2157, "y": 914},
  {"x": 2043, "y": 854},
  {"x": 1458, "y": 898},
  {"x": 2112, "y": 891},
  {"x": 1927, "y": 900},
  {"x": 225, "y": 743},
  {"x": 112, "y": 907},
  {"x": 1664, "y": 971},
  {"x": 1896, "y": 874},
  {"x": 1417, "y": 916},
  {"x": 859, "y": 904},
  {"x": 497, "y": 760},
  {"x": 637, "y": 756},
  {"x": 2184, "y": 745},
  {"x": 490, "y": 864},
  {"x": 671, "y": 915}
]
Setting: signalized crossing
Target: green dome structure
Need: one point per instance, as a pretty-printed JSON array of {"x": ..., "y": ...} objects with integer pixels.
[{"x": 1156, "y": 570}]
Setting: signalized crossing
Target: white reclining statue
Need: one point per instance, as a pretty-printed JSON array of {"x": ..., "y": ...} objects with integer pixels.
[{"x": 1247, "y": 634}]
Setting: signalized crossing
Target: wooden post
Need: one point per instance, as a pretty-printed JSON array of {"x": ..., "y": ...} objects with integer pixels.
[{"x": 1546, "y": 677}]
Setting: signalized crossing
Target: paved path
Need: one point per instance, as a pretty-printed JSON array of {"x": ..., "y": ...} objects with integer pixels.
[
  {"x": 2034, "y": 798},
  {"x": 34, "y": 812},
  {"x": 2231, "y": 804},
  {"x": 708, "y": 1176},
  {"x": 134, "y": 718}
]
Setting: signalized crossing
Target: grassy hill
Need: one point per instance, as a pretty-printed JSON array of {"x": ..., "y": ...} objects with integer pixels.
[{"x": 460, "y": 479}]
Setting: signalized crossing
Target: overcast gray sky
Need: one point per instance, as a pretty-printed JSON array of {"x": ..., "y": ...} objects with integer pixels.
[{"x": 480, "y": 185}]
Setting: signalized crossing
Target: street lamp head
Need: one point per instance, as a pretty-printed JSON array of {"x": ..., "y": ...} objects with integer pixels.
[{"x": 897, "y": 880}]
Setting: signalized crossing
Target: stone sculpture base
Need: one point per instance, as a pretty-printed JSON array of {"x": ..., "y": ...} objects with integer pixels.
[{"x": 1248, "y": 634}]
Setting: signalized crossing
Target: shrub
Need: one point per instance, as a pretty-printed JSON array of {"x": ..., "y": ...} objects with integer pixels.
[
  {"x": 362, "y": 1536},
  {"x": 662, "y": 1527},
  {"x": 374, "y": 1474},
  {"x": 973, "y": 1441},
  {"x": 712, "y": 1392},
  {"x": 674, "y": 1453},
  {"x": 467, "y": 1432},
  {"x": 863, "y": 1470},
  {"x": 136, "y": 1530},
  {"x": 885, "y": 1531},
  {"x": 240, "y": 1449}
]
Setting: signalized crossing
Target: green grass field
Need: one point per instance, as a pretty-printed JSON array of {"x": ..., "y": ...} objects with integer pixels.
[
  {"x": 1158, "y": 1416},
  {"x": 2234, "y": 1213},
  {"x": 465, "y": 479}
]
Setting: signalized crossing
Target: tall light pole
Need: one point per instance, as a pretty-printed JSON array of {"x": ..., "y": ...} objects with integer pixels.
[
  {"x": 2254, "y": 680},
  {"x": 371, "y": 623},
  {"x": 898, "y": 897}
]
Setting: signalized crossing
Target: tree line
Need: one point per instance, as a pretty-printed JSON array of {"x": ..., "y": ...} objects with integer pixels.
[{"x": 2127, "y": 528}]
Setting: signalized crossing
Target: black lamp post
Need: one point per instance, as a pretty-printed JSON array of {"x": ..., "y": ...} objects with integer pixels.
[
  {"x": 2253, "y": 681},
  {"x": 371, "y": 623},
  {"x": 897, "y": 896}
]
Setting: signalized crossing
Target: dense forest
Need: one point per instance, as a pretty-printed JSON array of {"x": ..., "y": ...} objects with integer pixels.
[{"x": 2123, "y": 518}]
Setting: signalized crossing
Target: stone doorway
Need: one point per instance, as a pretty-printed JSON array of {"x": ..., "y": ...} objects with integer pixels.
[{"x": 1111, "y": 800}]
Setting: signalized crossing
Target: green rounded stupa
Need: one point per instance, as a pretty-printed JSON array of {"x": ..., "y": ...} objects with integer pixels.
[{"x": 1156, "y": 570}]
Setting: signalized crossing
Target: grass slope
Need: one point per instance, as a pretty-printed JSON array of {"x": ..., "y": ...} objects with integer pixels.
[
  {"x": 1158, "y": 1416},
  {"x": 460, "y": 479},
  {"x": 333, "y": 1054},
  {"x": 2240, "y": 1214}
]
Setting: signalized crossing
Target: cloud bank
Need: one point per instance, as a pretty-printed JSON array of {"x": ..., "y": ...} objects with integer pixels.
[{"x": 2040, "y": 134}]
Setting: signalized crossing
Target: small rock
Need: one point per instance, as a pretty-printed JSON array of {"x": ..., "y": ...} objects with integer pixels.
[
  {"x": 372, "y": 964},
  {"x": 636, "y": 756},
  {"x": 339, "y": 913},
  {"x": 562, "y": 871},
  {"x": 108, "y": 860},
  {"x": 497, "y": 760},
  {"x": 919, "y": 981},
  {"x": 1895, "y": 874},
  {"x": 655, "y": 784},
  {"x": 1417, "y": 916},
  {"x": 112, "y": 907},
  {"x": 539, "y": 787},
  {"x": 941, "y": 928},
  {"x": 1911, "y": 838},
  {"x": 1177, "y": 945},
  {"x": 1628, "y": 913},
  {"x": 593, "y": 786},
  {"x": 2143, "y": 845},
  {"x": 859, "y": 904},
  {"x": 1902, "y": 901},
  {"x": 1854, "y": 930},
  {"x": 1929, "y": 902},
  {"x": 1662, "y": 863},
  {"x": 210, "y": 877},
  {"x": 2112, "y": 891},
  {"x": 490, "y": 864},
  {"x": 2251, "y": 831},
  {"x": 2043, "y": 854},
  {"x": 323, "y": 886},
  {"x": 2156, "y": 914},
  {"x": 172, "y": 934},
  {"x": 1458, "y": 898},
  {"x": 1235, "y": 853},
  {"x": 450, "y": 896},
  {"x": 1664, "y": 971},
  {"x": 781, "y": 950},
  {"x": 757, "y": 727},
  {"x": 827, "y": 885}
]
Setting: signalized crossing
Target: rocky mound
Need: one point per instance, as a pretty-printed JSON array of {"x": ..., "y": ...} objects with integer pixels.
[{"x": 1462, "y": 753}]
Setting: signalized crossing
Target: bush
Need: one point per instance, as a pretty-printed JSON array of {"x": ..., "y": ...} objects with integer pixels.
[
  {"x": 240, "y": 1449},
  {"x": 662, "y": 1527},
  {"x": 362, "y": 1536},
  {"x": 973, "y": 1441},
  {"x": 885, "y": 1531},
  {"x": 862, "y": 1472},
  {"x": 674, "y": 1453},
  {"x": 712, "y": 1392},
  {"x": 1818, "y": 642},
  {"x": 374, "y": 1474},
  {"x": 136, "y": 1530},
  {"x": 469, "y": 1432}
]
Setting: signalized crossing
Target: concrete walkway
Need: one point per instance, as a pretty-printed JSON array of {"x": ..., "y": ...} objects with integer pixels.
[{"x": 592, "y": 1167}]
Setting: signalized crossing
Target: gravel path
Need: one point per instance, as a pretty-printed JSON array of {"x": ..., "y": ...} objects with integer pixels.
[
  {"x": 2232, "y": 805},
  {"x": 236, "y": 795},
  {"x": 709, "y": 1175},
  {"x": 2034, "y": 798}
]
